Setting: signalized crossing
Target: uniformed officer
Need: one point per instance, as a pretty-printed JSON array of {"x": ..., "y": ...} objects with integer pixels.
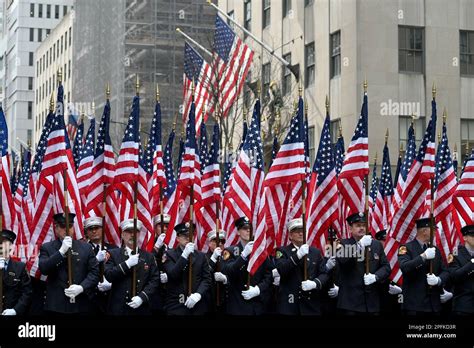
[
  {"x": 330, "y": 290},
  {"x": 17, "y": 290},
  {"x": 178, "y": 301},
  {"x": 297, "y": 296},
  {"x": 93, "y": 232},
  {"x": 421, "y": 288},
  {"x": 359, "y": 292},
  {"x": 214, "y": 257},
  {"x": 61, "y": 297},
  {"x": 159, "y": 250},
  {"x": 390, "y": 291},
  {"x": 461, "y": 268},
  {"x": 119, "y": 271},
  {"x": 242, "y": 299}
]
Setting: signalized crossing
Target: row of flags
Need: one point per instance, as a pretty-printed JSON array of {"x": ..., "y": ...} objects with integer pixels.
[{"x": 142, "y": 180}]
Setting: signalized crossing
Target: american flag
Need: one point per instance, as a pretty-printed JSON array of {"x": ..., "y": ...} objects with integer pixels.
[
  {"x": 8, "y": 209},
  {"x": 463, "y": 196},
  {"x": 230, "y": 65},
  {"x": 73, "y": 123},
  {"x": 288, "y": 167},
  {"x": 355, "y": 167},
  {"x": 211, "y": 186},
  {"x": 196, "y": 70},
  {"x": 153, "y": 162},
  {"x": 170, "y": 188},
  {"x": 383, "y": 202},
  {"x": 416, "y": 186},
  {"x": 322, "y": 192},
  {"x": 445, "y": 186},
  {"x": 247, "y": 178},
  {"x": 78, "y": 144},
  {"x": 373, "y": 227},
  {"x": 189, "y": 177},
  {"x": 339, "y": 154},
  {"x": 84, "y": 170}
]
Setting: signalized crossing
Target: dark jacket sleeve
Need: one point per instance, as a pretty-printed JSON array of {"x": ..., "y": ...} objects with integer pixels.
[
  {"x": 205, "y": 284},
  {"x": 114, "y": 271},
  {"x": 174, "y": 270},
  {"x": 409, "y": 263},
  {"x": 49, "y": 263},
  {"x": 92, "y": 277},
  {"x": 350, "y": 261},
  {"x": 233, "y": 266},
  {"x": 384, "y": 270},
  {"x": 444, "y": 272},
  {"x": 153, "y": 283},
  {"x": 285, "y": 265},
  {"x": 267, "y": 278},
  {"x": 323, "y": 276},
  {"x": 460, "y": 273},
  {"x": 26, "y": 292}
]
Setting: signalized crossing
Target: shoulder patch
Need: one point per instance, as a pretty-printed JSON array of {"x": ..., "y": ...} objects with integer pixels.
[
  {"x": 226, "y": 255},
  {"x": 450, "y": 258},
  {"x": 279, "y": 254},
  {"x": 402, "y": 250}
]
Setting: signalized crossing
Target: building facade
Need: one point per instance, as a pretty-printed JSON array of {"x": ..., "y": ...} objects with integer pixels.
[
  {"x": 52, "y": 56},
  {"x": 28, "y": 23},
  {"x": 401, "y": 47}
]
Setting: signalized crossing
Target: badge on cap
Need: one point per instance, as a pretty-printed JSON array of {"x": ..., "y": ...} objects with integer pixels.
[{"x": 402, "y": 250}]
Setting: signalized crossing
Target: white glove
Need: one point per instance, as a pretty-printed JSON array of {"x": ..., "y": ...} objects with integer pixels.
[
  {"x": 333, "y": 292},
  {"x": 13, "y": 312},
  {"x": 192, "y": 300},
  {"x": 73, "y": 290},
  {"x": 216, "y": 254},
  {"x": 104, "y": 286},
  {"x": 135, "y": 302},
  {"x": 163, "y": 278},
  {"x": 132, "y": 260},
  {"x": 430, "y": 253},
  {"x": 101, "y": 255},
  {"x": 394, "y": 289},
  {"x": 432, "y": 280},
  {"x": 188, "y": 250},
  {"x": 220, "y": 277},
  {"x": 160, "y": 240},
  {"x": 252, "y": 292},
  {"x": 369, "y": 279},
  {"x": 2, "y": 262},
  {"x": 276, "y": 277},
  {"x": 445, "y": 296},
  {"x": 67, "y": 243},
  {"x": 366, "y": 240},
  {"x": 302, "y": 251},
  {"x": 331, "y": 263},
  {"x": 308, "y": 285},
  {"x": 248, "y": 249}
]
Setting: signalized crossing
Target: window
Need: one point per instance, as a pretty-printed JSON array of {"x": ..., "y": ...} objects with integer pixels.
[
  {"x": 40, "y": 34},
  {"x": 466, "y": 49},
  {"x": 47, "y": 32},
  {"x": 30, "y": 110},
  {"x": 30, "y": 83},
  {"x": 62, "y": 40},
  {"x": 410, "y": 49},
  {"x": 56, "y": 11},
  {"x": 286, "y": 78},
  {"x": 54, "y": 52},
  {"x": 308, "y": 2},
  {"x": 231, "y": 15},
  {"x": 32, "y": 34},
  {"x": 65, "y": 41},
  {"x": 65, "y": 72},
  {"x": 50, "y": 55},
  {"x": 247, "y": 90},
  {"x": 64, "y": 10},
  {"x": 30, "y": 58},
  {"x": 404, "y": 123},
  {"x": 40, "y": 65},
  {"x": 48, "y": 11},
  {"x": 40, "y": 10},
  {"x": 266, "y": 13},
  {"x": 311, "y": 148},
  {"x": 69, "y": 69},
  {"x": 37, "y": 69},
  {"x": 32, "y": 10},
  {"x": 336, "y": 54},
  {"x": 286, "y": 7},
  {"x": 70, "y": 37},
  {"x": 47, "y": 58},
  {"x": 266, "y": 75},
  {"x": 310, "y": 63},
  {"x": 247, "y": 14},
  {"x": 57, "y": 48},
  {"x": 29, "y": 137},
  {"x": 467, "y": 138},
  {"x": 334, "y": 130}
]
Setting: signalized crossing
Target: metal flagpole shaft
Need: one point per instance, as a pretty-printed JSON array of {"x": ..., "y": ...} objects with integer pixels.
[
  {"x": 367, "y": 232},
  {"x": 303, "y": 215},
  {"x": 194, "y": 42},
  {"x": 191, "y": 240},
  {"x": 135, "y": 224},
  {"x": 69, "y": 252},
  {"x": 102, "y": 237}
]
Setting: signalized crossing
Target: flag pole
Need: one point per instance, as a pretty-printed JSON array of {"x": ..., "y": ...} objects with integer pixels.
[
  {"x": 303, "y": 197},
  {"x": 218, "y": 240},
  {"x": 186, "y": 36},
  {"x": 3, "y": 251},
  {"x": 135, "y": 217},
  {"x": 191, "y": 217},
  {"x": 160, "y": 185},
  {"x": 367, "y": 232}
]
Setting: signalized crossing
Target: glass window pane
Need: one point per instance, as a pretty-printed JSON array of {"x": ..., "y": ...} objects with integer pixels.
[
  {"x": 418, "y": 62},
  {"x": 410, "y": 61},
  {"x": 402, "y": 38},
  {"x": 418, "y": 39},
  {"x": 464, "y": 130},
  {"x": 471, "y": 130}
]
